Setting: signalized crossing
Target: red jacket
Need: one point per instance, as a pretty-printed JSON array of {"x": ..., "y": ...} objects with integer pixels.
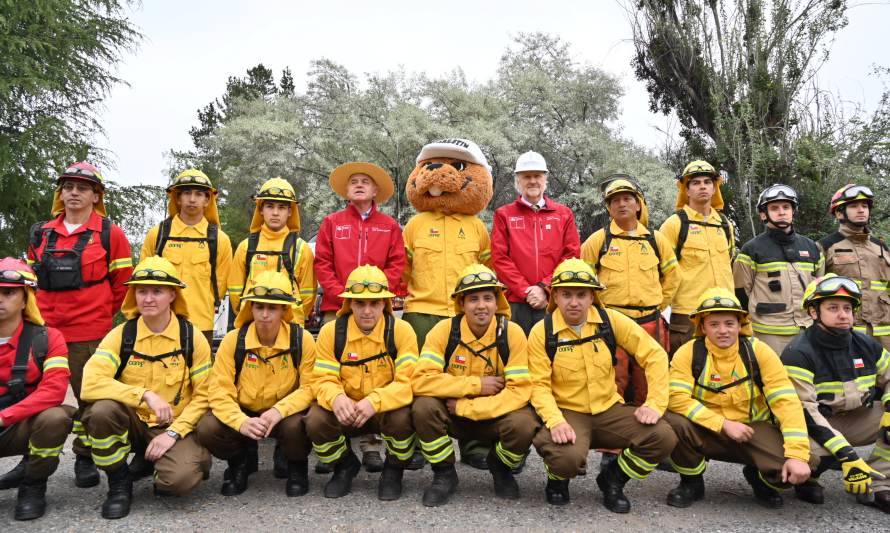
[
  {"x": 86, "y": 314},
  {"x": 526, "y": 245},
  {"x": 345, "y": 241},
  {"x": 49, "y": 391}
]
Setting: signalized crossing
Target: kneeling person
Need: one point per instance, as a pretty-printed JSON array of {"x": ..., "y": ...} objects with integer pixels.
[
  {"x": 726, "y": 388},
  {"x": 362, "y": 381},
  {"x": 147, "y": 388},
  {"x": 260, "y": 387},
  {"x": 34, "y": 373},
  {"x": 472, "y": 382},
  {"x": 571, "y": 357}
]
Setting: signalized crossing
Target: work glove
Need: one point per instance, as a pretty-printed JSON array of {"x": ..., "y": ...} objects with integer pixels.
[
  {"x": 885, "y": 427},
  {"x": 858, "y": 476}
]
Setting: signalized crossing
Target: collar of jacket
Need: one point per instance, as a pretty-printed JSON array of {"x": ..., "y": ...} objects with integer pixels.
[
  {"x": 822, "y": 338},
  {"x": 179, "y": 226},
  {"x": 713, "y": 217},
  {"x": 467, "y": 335},
  {"x": 273, "y": 235},
  {"x": 854, "y": 233},
  {"x": 780, "y": 236},
  {"x": 171, "y": 331},
  {"x": 548, "y": 204},
  {"x": 94, "y": 223},
  {"x": 282, "y": 340},
  {"x": 13, "y": 341},
  {"x": 723, "y": 354},
  {"x": 353, "y": 333},
  {"x": 615, "y": 229},
  {"x": 560, "y": 324},
  {"x": 353, "y": 210}
]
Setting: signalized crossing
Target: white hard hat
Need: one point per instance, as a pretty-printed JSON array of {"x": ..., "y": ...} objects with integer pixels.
[
  {"x": 530, "y": 161},
  {"x": 462, "y": 149}
]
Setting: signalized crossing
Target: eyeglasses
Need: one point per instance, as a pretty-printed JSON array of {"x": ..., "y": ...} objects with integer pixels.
[
  {"x": 568, "y": 276},
  {"x": 830, "y": 286},
  {"x": 270, "y": 291},
  {"x": 366, "y": 286},
  {"x": 72, "y": 184},
  {"x": 157, "y": 275},
  {"x": 78, "y": 171},
  {"x": 277, "y": 192},
  {"x": 192, "y": 180},
  {"x": 857, "y": 190},
  {"x": 19, "y": 277},
  {"x": 719, "y": 302},
  {"x": 775, "y": 192}
]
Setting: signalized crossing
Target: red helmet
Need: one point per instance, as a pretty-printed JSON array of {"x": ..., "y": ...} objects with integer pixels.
[
  {"x": 16, "y": 273},
  {"x": 83, "y": 171},
  {"x": 850, "y": 193}
]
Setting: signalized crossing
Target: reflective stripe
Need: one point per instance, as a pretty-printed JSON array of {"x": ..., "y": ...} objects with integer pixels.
[
  {"x": 322, "y": 448},
  {"x": 744, "y": 259},
  {"x": 779, "y": 393},
  {"x": 775, "y": 330},
  {"x": 203, "y": 369},
  {"x": 120, "y": 455},
  {"x": 507, "y": 457},
  {"x": 109, "y": 441},
  {"x": 627, "y": 469},
  {"x": 878, "y": 285},
  {"x": 691, "y": 413},
  {"x": 681, "y": 386},
  {"x": 881, "y": 453},
  {"x": 407, "y": 358},
  {"x": 863, "y": 383},
  {"x": 880, "y": 331},
  {"x": 434, "y": 458},
  {"x": 55, "y": 362},
  {"x": 835, "y": 387},
  {"x": 434, "y": 357},
  {"x": 329, "y": 367},
  {"x": 694, "y": 471},
  {"x": 516, "y": 372},
  {"x": 774, "y": 266},
  {"x": 551, "y": 475},
  {"x": 836, "y": 443},
  {"x": 44, "y": 452},
  {"x": 401, "y": 449},
  {"x": 795, "y": 434},
  {"x": 432, "y": 445},
  {"x": 484, "y": 256},
  {"x": 800, "y": 373},
  {"x": 668, "y": 265},
  {"x": 123, "y": 262},
  {"x": 883, "y": 362},
  {"x": 111, "y": 356},
  {"x": 639, "y": 461}
]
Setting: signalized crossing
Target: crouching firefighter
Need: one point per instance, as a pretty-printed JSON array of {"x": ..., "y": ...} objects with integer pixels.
[
  {"x": 33, "y": 381},
  {"x": 472, "y": 382},
  {"x": 731, "y": 400},
  {"x": 571, "y": 357},
  {"x": 362, "y": 380},
  {"x": 147, "y": 388},
  {"x": 839, "y": 374},
  {"x": 260, "y": 387}
]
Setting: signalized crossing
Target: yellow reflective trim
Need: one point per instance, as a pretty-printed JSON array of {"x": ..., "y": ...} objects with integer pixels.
[
  {"x": 681, "y": 386},
  {"x": 321, "y": 448},
  {"x": 800, "y": 373},
  {"x": 120, "y": 455},
  {"x": 836, "y": 443},
  {"x": 775, "y": 330},
  {"x": 109, "y": 441},
  {"x": 203, "y": 369},
  {"x": 111, "y": 356},
  {"x": 694, "y": 471},
  {"x": 117, "y": 264},
  {"x": 440, "y": 456},
  {"x": 44, "y": 452},
  {"x": 835, "y": 387},
  {"x": 627, "y": 469},
  {"x": 55, "y": 362},
  {"x": 434, "y": 357},
  {"x": 331, "y": 367},
  {"x": 745, "y": 259},
  {"x": 772, "y": 395},
  {"x": 407, "y": 358},
  {"x": 432, "y": 445}
]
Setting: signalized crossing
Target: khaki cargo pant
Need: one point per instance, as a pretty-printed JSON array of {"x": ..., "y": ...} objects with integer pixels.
[
  {"x": 41, "y": 437},
  {"x": 861, "y": 427},
  {"x": 682, "y": 329},
  {"x": 869, "y": 330},
  {"x": 776, "y": 342},
  {"x": 511, "y": 434},
  {"x": 78, "y": 355},
  {"x": 226, "y": 443},
  {"x": 643, "y": 447},
  {"x": 114, "y": 429},
  {"x": 330, "y": 439},
  {"x": 765, "y": 451}
]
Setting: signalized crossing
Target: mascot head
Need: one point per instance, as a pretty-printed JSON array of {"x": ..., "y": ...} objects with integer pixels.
[{"x": 451, "y": 176}]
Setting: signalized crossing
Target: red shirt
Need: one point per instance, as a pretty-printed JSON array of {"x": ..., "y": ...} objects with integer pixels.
[
  {"x": 345, "y": 242},
  {"x": 527, "y": 244},
  {"x": 43, "y": 392},
  {"x": 86, "y": 314}
]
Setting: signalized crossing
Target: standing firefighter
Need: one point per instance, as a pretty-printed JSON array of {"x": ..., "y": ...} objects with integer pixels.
[
  {"x": 33, "y": 380},
  {"x": 260, "y": 387},
  {"x": 571, "y": 357},
  {"x": 147, "y": 384},
  {"x": 703, "y": 240},
  {"x": 773, "y": 269},
  {"x": 275, "y": 244},
  {"x": 81, "y": 260},
  {"x": 729, "y": 392},
  {"x": 853, "y": 251},
  {"x": 529, "y": 238},
  {"x": 191, "y": 238},
  {"x": 362, "y": 381},
  {"x": 843, "y": 379},
  {"x": 472, "y": 382}
]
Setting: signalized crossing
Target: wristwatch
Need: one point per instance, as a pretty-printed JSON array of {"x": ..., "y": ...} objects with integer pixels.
[{"x": 172, "y": 434}]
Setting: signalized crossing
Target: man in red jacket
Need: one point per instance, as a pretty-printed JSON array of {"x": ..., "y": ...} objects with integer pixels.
[
  {"x": 81, "y": 282},
  {"x": 529, "y": 238},
  {"x": 358, "y": 235},
  {"x": 33, "y": 382}
]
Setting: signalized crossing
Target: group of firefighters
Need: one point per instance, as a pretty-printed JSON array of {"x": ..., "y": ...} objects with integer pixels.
[{"x": 773, "y": 356}]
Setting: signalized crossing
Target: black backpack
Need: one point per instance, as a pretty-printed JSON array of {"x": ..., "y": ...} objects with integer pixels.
[
  {"x": 340, "y": 327},
  {"x": 684, "y": 231},
  {"x": 501, "y": 341},
  {"x": 33, "y": 341},
  {"x": 295, "y": 349},
  {"x": 65, "y": 271},
  {"x": 211, "y": 240},
  {"x": 186, "y": 348},
  {"x": 605, "y": 332},
  {"x": 752, "y": 367},
  {"x": 286, "y": 254}
]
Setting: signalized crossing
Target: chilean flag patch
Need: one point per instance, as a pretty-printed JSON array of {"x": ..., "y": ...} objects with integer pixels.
[
  {"x": 352, "y": 356},
  {"x": 858, "y": 363},
  {"x": 251, "y": 358},
  {"x": 715, "y": 378},
  {"x": 460, "y": 359}
]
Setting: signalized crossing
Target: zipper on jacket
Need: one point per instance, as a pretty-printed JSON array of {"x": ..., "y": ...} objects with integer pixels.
[{"x": 537, "y": 260}]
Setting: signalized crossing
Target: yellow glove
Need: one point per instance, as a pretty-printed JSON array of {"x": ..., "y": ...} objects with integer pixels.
[{"x": 858, "y": 476}]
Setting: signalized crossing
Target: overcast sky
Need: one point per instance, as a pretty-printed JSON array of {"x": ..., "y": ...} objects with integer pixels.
[{"x": 192, "y": 47}]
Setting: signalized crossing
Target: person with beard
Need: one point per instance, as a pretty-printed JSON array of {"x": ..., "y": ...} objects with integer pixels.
[
  {"x": 842, "y": 377},
  {"x": 853, "y": 251},
  {"x": 772, "y": 270}
]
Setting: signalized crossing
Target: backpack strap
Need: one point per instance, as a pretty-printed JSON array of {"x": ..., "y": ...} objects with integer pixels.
[
  {"x": 550, "y": 340},
  {"x": 105, "y": 238},
  {"x": 29, "y": 344},
  {"x": 253, "y": 240},
  {"x": 752, "y": 367},
  {"x": 212, "y": 245},
  {"x": 163, "y": 235},
  {"x": 186, "y": 340},
  {"x": 128, "y": 343},
  {"x": 684, "y": 231},
  {"x": 340, "y": 326},
  {"x": 240, "y": 352},
  {"x": 389, "y": 334},
  {"x": 502, "y": 339},
  {"x": 453, "y": 339},
  {"x": 287, "y": 254},
  {"x": 604, "y": 332},
  {"x": 607, "y": 242},
  {"x": 296, "y": 345}
]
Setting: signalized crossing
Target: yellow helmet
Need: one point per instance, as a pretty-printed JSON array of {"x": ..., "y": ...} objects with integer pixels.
[
  {"x": 832, "y": 286},
  {"x": 366, "y": 282},
  {"x": 573, "y": 272},
  {"x": 193, "y": 178},
  {"x": 154, "y": 270},
  {"x": 719, "y": 300},
  {"x": 475, "y": 277},
  {"x": 699, "y": 168},
  {"x": 278, "y": 190},
  {"x": 622, "y": 185},
  {"x": 270, "y": 287}
]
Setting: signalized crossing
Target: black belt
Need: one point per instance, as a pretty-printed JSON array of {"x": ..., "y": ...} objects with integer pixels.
[{"x": 648, "y": 318}]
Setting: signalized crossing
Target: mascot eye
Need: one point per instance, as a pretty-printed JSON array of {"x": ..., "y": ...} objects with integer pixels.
[{"x": 459, "y": 165}]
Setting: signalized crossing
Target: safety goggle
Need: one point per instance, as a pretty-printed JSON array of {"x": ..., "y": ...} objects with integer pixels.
[
  {"x": 779, "y": 192},
  {"x": 155, "y": 275},
  {"x": 78, "y": 171},
  {"x": 831, "y": 286},
  {"x": 270, "y": 291},
  {"x": 718, "y": 302},
  {"x": 360, "y": 287},
  {"x": 569, "y": 276},
  {"x": 699, "y": 170},
  {"x": 199, "y": 181},
  {"x": 857, "y": 190},
  {"x": 15, "y": 276},
  {"x": 277, "y": 192}
]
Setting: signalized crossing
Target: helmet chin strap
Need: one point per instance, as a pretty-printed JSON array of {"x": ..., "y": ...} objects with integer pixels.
[
  {"x": 834, "y": 332},
  {"x": 845, "y": 220}
]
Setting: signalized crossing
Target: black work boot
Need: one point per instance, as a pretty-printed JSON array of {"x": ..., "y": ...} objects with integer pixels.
[
  {"x": 140, "y": 467},
  {"x": 389, "y": 488},
  {"x": 323, "y": 468},
  {"x": 297, "y": 478},
  {"x": 120, "y": 493},
  {"x": 611, "y": 481},
  {"x": 557, "y": 491},
  {"x": 280, "y": 467},
  {"x": 882, "y": 500},
  {"x": 690, "y": 490},
  {"x": 31, "y": 502},
  {"x": 810, "y": 491},
  {"x": 235, "y": 476},
  {"x": 14, "y": 477},
  {"x": 340, "y": 483},
  {"x": 85, "y": 472},
  {"x": 443, "y": 486},
  {"x": 417, "y": 461},
  {"x": 505, "y": 485},
  {"x": 766, "y": 496},
  {"x": 473, "y": 453},
  {"x": 373, "y": 461}
]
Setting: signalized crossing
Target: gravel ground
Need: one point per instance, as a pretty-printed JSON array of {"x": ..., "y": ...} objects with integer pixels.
[{"x": 728, "y": 505}]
